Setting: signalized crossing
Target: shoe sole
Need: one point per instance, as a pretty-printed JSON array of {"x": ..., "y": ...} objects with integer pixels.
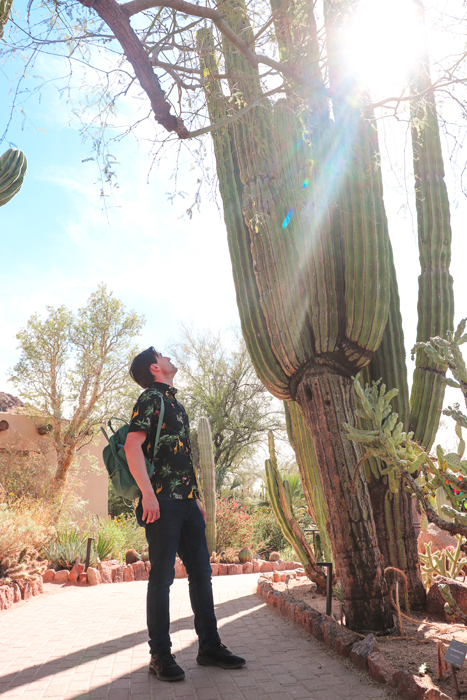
[
  {"x": 205, "y": 662},
  {"x": 160, "y": 677}
]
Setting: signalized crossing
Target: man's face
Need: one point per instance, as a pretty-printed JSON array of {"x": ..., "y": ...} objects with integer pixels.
[{"x": 165, "y": 365}]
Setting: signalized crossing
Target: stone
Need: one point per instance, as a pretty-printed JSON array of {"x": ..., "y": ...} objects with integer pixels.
[
  {"x": 435, "y": 601},
  {"x": 106, "y": 575},
  {"x": 281, "y": 565},
  {"x": 10, "y": 595},
  {"x": 61, "y": 576},
  {"x": 435, "y": 694},
  {"x": 140, "y": 571},
  {"x": 380, "y": 669},
  {"x": 94, "y": 576},
  {"x": 275, "y": 565},
  {"x": 48, "y": 576},
  {"x": 361, "y": 650},
  {"x": 440, "y": 539},
  {"x": 79, "y": 568},
  {"x": 316, "y": 627},
  {"x": 128, "y": 573},
  {"x": 410, "y": 687},
  {"x": 82, "y": 578},
  {"x": 36, "y": 586},
  {"x": 117, "y": 574},
  {"x": 276, "y": 577},
  {"x": 25, "y": 588},
  {"x": 215, "y": 569},
  {"x": 256, "y": 565},
  {"x": 336, "y": 637},
  {"x": 4, "y": 602},
  {"x": 16, "y": 593},
  {"x": 223, "y": 569},
  {"x": 248, "y": 567},
  {"x": 307, "y": 618},
  {"x": 266, "y": 566},
  {"x": 180, "y": 571},
  {"x": 147, "y": 564},
  {"x": 73, "y": 576},
  {"x": 233, "y": 569}
]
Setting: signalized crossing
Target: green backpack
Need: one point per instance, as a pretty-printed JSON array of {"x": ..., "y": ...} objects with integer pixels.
[{"x": 115, "y": 460}]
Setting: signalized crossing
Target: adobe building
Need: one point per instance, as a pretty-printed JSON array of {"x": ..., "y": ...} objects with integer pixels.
[{"x": 29, "y": 434}]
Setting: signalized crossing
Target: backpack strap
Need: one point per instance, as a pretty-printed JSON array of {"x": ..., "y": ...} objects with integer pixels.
[{"x": 159, "y": 426}]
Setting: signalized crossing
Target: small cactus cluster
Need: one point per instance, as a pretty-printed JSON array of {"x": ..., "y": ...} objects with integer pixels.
[
  {"x": 20, "y": 568},
  {"x": 13, "y": 166},
  {"x": 447, "y": 562}
]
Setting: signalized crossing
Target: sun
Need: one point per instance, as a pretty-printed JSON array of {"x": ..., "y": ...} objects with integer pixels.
[{"x": 383, "y": 42}]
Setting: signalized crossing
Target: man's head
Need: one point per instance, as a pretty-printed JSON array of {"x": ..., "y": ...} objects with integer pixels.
[{"x": 151, "y": 366}]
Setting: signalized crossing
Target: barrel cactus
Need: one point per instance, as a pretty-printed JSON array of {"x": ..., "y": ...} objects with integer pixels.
[
  {"x": 245, "y": 555},
  {"x": 274, "y": 556},
  {"x": 208, "y": 479},
  {"x": 13, "y": 166}
]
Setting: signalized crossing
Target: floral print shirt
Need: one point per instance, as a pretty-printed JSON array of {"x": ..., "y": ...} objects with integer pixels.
[{"x": 174, "y": 475}]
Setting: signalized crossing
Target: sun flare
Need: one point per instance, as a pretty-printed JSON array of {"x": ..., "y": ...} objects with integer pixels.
[{"x": 384, "y": 41}]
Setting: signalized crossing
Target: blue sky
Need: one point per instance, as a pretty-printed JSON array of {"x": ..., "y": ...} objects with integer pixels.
[{"x": 58, "y": 243}]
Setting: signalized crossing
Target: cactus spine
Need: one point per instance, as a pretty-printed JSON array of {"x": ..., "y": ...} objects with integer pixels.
[
  {"x": 13, "y": 166},
  {"x": 208, "y": 480}
]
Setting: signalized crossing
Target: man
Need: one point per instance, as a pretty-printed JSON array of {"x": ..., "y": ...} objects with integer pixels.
[{"x": 173, "y": 517}]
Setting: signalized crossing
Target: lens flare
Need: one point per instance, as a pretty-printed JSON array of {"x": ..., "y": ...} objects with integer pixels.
[{"x": 286, "y": 221}]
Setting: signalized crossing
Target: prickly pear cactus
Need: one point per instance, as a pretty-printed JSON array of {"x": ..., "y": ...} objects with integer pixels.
[
  {"x": 13, "y": 166},
  {"x": 208, "y": 480}
]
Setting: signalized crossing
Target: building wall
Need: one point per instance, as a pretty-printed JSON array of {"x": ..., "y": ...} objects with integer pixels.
[{"x": 22, "y": 434}]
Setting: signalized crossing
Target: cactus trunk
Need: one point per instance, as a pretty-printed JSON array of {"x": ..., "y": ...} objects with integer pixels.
[{"x": 208, "y": 480}]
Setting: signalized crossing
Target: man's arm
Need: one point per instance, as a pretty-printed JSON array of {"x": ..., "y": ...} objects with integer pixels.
[{"x": 137, "y": 465}]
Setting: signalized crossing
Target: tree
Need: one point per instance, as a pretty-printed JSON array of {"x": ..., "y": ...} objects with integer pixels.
[
  {"x": 303, "y": 202},
  {"x": 219, "y": 382},
  {"x": 74, "y": 369}
]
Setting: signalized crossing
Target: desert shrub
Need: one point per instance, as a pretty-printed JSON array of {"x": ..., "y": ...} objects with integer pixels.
[
  {"x": 69, "y": 545},
  {"x": 123, "y": 532},
  {"x": 25, "y": 526},
  {"x": 25, "y": 470},
  {"x": 268, "y": 535},
  {"x": 234, "y": 525},
  {"x": 117, "y": 505}
]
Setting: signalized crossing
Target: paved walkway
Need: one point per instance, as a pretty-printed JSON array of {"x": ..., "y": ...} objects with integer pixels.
[{"x": 91, "y": 644}]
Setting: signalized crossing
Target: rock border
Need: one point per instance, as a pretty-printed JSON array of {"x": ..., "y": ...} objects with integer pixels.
[
  {"x": 364, "y": 653},
  {"x": 19, "y": 590},
  {"x": 115, "y": 572}
]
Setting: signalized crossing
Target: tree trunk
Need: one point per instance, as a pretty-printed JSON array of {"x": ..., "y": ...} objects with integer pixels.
[
  {"x": 65, "y": 457},
  {"x": 327, "y": 400}
]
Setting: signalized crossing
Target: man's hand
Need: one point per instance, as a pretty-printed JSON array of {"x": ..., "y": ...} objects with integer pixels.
[
  {"x": 200, "y": 506},
  {"x": 151, "y": 509}
]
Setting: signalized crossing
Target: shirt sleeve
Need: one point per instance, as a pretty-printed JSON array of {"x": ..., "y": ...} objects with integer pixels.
[{"x": 145, "y": 411}]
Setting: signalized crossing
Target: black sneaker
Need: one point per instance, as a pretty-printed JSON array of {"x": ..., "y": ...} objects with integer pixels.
[
  {"x": 164, "y": 666},
  {"x": 219, "y": 655}
]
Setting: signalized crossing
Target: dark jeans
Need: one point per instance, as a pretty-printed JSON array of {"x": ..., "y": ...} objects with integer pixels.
[{"x": 181, "y": 529}]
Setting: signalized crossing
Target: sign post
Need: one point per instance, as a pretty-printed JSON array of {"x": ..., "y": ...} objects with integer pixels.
[{"x": 455, "y": 655}]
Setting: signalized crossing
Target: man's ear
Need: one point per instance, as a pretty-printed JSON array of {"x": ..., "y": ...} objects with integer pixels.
[{"x": 155, "y": 369}]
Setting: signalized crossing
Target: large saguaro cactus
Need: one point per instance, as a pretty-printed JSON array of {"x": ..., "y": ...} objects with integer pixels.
[
  {"x": 208, "y": 479},
  {"x": 315, "y": 279}
]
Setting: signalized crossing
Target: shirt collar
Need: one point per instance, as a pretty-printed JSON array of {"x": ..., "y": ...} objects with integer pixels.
[{"x": 165, "y": 388}]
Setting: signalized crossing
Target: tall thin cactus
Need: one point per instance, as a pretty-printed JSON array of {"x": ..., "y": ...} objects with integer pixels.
[
  {"x": 281, "y": 504},
  {"x": 13, "y": 166},
  {"x": 208, "y": 479}
]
